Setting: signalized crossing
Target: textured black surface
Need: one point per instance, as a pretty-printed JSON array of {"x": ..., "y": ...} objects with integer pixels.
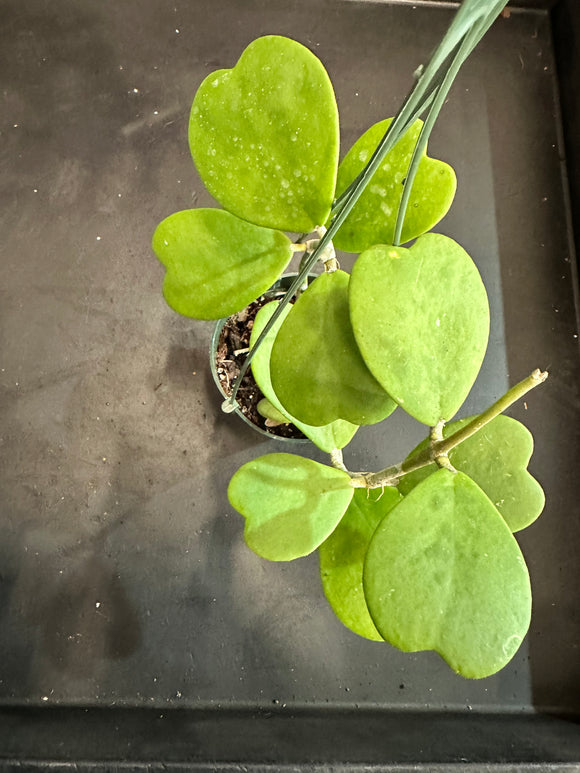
[
  {"x": 286, "y": 736},
  {"x": 566, "y": 31},
  {"x": 124, "y": 579}
]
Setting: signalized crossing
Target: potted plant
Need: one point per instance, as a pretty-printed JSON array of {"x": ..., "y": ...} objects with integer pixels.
[{"x": 420, "y": 554}]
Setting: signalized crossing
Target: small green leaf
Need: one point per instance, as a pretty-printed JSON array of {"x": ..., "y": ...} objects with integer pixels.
[
  {"x": 421, "y": 321},
  {"x": 443, "y": 572},
  {"x": 317, "y": 370},
  {"x": 269, "y": 411},
  {"x": 264, "y": 136},
  {"x": 496, "y": 458},
  {"x": 338, "y": 433},
  {"x": 291, "y": 504},
  {"x": 342, "y": 558},
  {"x": 372, "y": 219},
  {"x": 216, "y": 263}
]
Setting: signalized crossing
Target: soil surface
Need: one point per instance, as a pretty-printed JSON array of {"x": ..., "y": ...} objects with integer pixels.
[{"x": 233, "y": 345}]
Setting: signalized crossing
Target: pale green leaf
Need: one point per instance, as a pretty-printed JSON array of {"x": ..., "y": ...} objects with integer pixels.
[
  {"x": 496, "y": 458},
  {"x": 421, "y": 321},
  {"x": 316, "y": 367},
  {"x": 342, "y": 558},
  {"x": 264, "y": 136},
  {"x": 338, "y": 433},
  {"x": 443, "y": 572},
  {"x": 269, "y": 411},
  {"x": 372, "y": 219},
  {"x": 216, "y": 263},
  {"x": 291, "y": 504}
]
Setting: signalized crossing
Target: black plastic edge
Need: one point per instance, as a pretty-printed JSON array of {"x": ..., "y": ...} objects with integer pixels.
[
  {"x": 282, "y": 737},
  {"x": 521, "y": 5}
]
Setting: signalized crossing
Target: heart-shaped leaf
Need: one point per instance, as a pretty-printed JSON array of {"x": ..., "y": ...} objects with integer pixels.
[
  {"x": 443, "y": 572},
  {"x": 291, "y": 504},
  {"x": 338, "y": 433},
  {"x": 421, "y": 321},
  {"x": 496, "y": 458},
  {"x": 342, "y": 558},
  {"x": 372, "y": 219},
  {"x": 216, "y": 263},
  {"x": 264, "y": 136},
  {"x": 317, "y": 370}
]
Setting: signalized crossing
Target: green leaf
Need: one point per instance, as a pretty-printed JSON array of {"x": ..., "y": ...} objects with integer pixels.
[
  {"x": 269, "y": 411},
  {"x": 338, "y": 433},
  {"x": 264, "y": 136},
  {"x": 496, "y": 458},
  {"x": 342, "y": 558},
  {"x": 421, "y": 320},
  {"x": 317, "y": 370},
  {"x": 443, "y": 572},
  {"x": 372, "y": 219},
  {"x": 291, "y": 504},
  {"x": 216, "y": 263}
]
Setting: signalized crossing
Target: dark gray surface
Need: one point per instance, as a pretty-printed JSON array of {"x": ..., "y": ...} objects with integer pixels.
[{"x": 124, "y": 579}]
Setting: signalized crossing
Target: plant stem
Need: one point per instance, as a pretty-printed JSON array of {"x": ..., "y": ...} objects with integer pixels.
[
  {"x": 468, "y": 26},
  {"x": 434, "y": 110},
  {"x": 336, "y": 459},
  {"x": 441, "y": 448}
]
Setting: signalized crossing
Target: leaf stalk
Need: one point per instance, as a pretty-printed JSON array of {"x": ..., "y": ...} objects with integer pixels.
[{"x": 441, "y": 447}]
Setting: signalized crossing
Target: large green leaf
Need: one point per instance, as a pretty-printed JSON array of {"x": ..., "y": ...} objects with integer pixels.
[
  {"x": 421, "y": 320},
  {"x": 372, "y": 219},
  {"x": 264, "y": 136},
  {"x": 317, "y": 370},
  {"x": 216, "y": 263},
  {"x": 443, "y": 572},
  {"x": 496, "y": 458},
  {"x": 327, "y": 437},
  {"x": 291, "y": 504},
  {"x": 342, "y": 558}
]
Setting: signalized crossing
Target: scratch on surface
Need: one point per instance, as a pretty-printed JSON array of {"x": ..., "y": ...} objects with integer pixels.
[{"x": 146, "y": 122}]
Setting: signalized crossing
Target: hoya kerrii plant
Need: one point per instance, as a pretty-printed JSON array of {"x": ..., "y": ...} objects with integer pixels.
[{"x": 420, "y": 554}]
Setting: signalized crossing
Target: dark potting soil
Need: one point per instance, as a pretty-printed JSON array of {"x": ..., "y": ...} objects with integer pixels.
[{"x": 233, "y": 345}]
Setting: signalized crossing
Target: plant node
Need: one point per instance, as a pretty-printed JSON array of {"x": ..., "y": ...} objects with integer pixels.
[{"x": 442, "y": 461}]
